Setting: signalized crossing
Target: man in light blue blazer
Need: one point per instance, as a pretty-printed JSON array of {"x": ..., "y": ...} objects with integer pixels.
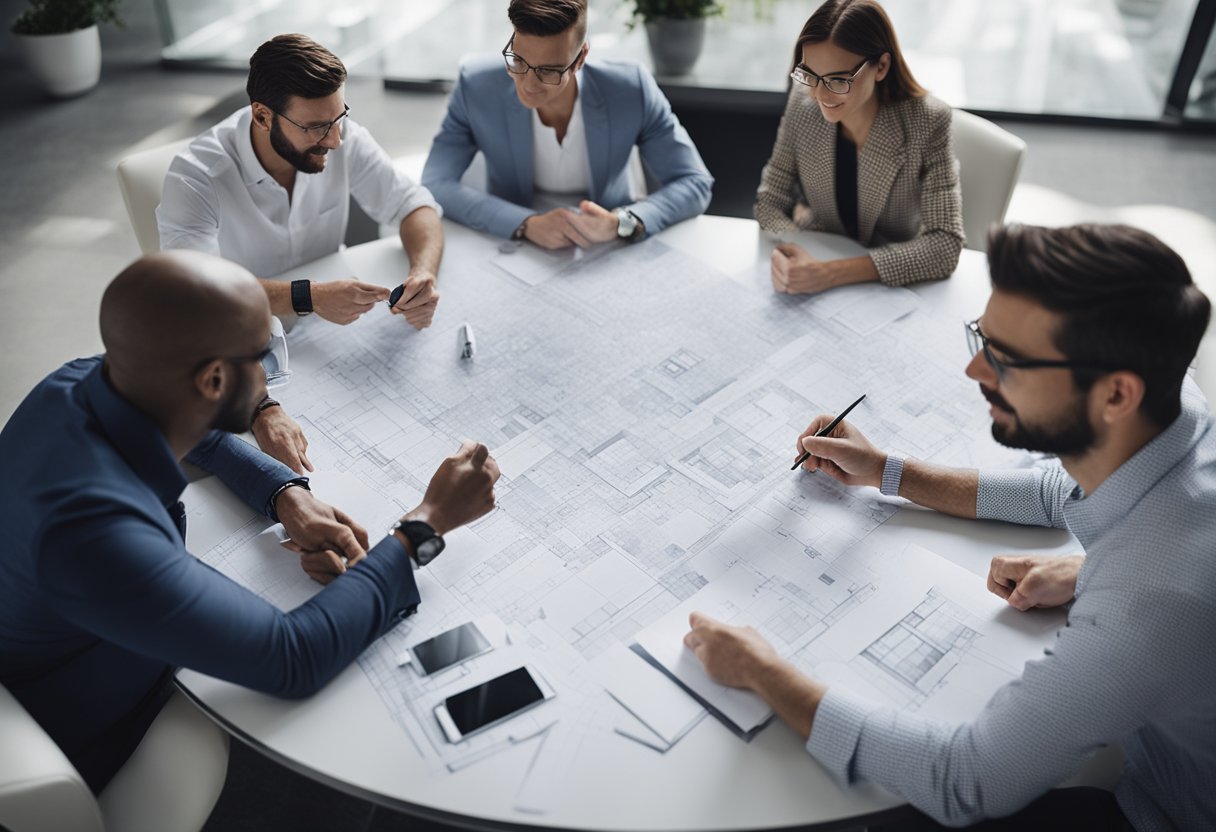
[{"x": 557, "y": 132}]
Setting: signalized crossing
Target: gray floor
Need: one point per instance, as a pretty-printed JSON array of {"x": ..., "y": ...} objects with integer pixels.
[{"x": 64, "y": 234}]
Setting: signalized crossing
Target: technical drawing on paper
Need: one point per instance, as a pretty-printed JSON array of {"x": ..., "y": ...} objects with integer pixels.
[{"x": 644, "y": 410}]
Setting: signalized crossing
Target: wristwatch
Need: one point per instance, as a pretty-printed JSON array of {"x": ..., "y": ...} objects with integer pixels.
[
  {"x": 521, "y": 231},
  {"x": 301, "y": 297},
  {"x": 629, "y": 225},
  {"x": 427, "y": 542}
]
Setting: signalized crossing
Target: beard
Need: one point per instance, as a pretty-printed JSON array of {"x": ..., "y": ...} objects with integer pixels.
[
  {"x": 236, "y": 412},
  {"x": 308, "y": 161},
  {"x": 1072, "y": 436}
]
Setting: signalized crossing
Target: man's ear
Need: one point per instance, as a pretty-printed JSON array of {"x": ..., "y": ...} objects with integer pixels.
[
  {"x": 583, "y": 56},
  {"x": 1121, "y": 395},
  {"x": 211, "y": 380},
  {"x": 263, "y": 116}
]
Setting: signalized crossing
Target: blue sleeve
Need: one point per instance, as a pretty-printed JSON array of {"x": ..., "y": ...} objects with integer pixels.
[
  {"x": 668, "y": 155},
  {"x": 249, "y": 474},
  {"x": 452, "y": 152},
  {"x": 126, "y": 580}
]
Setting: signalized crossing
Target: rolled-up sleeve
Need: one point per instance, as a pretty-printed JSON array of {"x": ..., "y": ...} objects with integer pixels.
[
  {"x": 1028, "y": 496},
  {"x": 385, "y": 193}
]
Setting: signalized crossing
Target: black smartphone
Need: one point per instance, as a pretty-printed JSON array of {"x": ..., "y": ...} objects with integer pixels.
[
  {"x": 490, "y": 703},
  {"x": 449, "y": 648}
]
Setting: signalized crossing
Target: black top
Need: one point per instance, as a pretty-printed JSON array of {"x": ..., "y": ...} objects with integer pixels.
[{"x": 846, "y": 182}]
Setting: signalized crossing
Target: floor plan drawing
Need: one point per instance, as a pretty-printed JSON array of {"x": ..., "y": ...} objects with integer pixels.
[{"x": 644, "y": 457}]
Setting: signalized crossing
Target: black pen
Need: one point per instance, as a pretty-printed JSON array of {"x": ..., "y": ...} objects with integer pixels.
[{"x": 830, "y": 427}]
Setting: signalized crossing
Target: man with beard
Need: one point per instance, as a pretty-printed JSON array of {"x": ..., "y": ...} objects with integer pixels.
[
  {"x": 237, "y": 192},
  {"x": 1082, "y": 352},
  {"x": 101, "y": 602}
]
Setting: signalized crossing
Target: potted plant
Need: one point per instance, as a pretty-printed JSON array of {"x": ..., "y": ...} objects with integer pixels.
[
  {"x": 60, "y": 42},
  {"x": 675, "y": 30}
]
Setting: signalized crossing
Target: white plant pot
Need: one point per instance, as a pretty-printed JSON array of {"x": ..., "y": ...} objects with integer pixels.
[{"x": 67, "y": 64}]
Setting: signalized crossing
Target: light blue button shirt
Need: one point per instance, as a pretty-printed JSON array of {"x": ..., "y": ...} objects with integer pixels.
[{"x": 1136, "y": 663}]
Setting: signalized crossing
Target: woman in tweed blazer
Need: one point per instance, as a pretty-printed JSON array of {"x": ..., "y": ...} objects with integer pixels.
[{"x": 905, "y": 204}]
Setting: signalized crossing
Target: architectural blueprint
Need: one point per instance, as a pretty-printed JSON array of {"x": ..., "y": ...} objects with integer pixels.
[{"x": 644, "y": 410}]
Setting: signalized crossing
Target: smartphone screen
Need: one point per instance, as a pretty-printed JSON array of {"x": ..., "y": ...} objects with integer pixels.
[
  {"x": 449, "y": 648},
  {"x": 494, "y": 700}
]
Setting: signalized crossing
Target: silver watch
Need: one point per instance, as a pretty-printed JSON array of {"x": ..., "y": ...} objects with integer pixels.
[{"x": 627, "y": 224}]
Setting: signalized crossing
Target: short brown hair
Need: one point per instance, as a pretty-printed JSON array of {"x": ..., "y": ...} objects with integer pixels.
[
  {"x": 1126, "y": 300},
  {"x": 288, "y": 65},
  {"x": 543, "y": 18},
  {"x": 863, "y": 28}
]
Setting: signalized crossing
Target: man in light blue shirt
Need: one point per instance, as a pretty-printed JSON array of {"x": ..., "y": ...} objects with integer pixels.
[
  {"x": 557, "y": 133},
  {"x": 1082, "y": 352}
]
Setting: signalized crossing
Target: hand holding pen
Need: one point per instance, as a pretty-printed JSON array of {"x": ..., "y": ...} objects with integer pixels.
[{"x": 841, "y": 451}]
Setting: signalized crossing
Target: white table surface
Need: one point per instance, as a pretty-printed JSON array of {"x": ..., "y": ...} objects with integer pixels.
[{"x": 710, "y": 780}]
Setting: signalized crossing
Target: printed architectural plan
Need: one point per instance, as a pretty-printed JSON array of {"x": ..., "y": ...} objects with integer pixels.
[{"x": 644, "y": 410}]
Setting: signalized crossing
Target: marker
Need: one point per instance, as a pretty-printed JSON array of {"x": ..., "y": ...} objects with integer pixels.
[
  {"x": 831, "y": 426},
  {"x": 466, "y": 341},
  {"x": 395, "y": 296}
]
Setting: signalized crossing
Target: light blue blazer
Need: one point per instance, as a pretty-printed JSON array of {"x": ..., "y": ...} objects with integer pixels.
[{"x": 622, "y": 107}]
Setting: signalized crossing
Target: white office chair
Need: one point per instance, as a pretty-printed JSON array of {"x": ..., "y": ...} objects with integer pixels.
[
  {"x": 141, "y": 177},
  {"x": 170, "y": 783},
  {"x": 989, "y": 161}
]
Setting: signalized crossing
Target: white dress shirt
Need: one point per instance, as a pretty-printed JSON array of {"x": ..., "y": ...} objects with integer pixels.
[
  {"x": 219, "y": 199},
  {"x": 561, "y": 167}
]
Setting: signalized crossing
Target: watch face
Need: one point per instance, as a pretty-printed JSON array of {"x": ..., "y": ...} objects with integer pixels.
[{"x": 428, "y": 550}]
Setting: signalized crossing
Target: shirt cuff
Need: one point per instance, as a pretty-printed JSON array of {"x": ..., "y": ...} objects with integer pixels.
[{"x": 836, "y": 731}]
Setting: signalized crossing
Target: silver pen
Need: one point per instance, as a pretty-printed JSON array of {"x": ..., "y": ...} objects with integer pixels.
[{"x": 466, "y": 341}]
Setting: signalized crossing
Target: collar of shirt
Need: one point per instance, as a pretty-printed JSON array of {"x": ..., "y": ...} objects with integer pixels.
[
  {"x": 136, "y": 438},
  {"x": 1089, "y": 516},
  {"x": 252, "y": 172}
]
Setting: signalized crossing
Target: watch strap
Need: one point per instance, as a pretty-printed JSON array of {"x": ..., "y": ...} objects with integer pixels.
[
  {"x": 301, "y": 297},
  {"x": 271, "y": 508},
  {"x": 892, "y": 475}
]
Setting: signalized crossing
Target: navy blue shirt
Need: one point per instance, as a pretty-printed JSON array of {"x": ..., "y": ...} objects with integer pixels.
[{"x": 100, "y": 601}]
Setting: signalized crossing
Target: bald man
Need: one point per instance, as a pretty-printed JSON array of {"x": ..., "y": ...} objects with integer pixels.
[{"x": 101, "y": 602}]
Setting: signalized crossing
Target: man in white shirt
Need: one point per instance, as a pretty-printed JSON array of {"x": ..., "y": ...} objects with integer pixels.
[
  {"x": 557, "y": 134},
  {"x": 236, "y": 192}
]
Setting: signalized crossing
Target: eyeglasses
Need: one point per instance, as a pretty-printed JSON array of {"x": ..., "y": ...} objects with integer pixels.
[
  {"x": 836, "y": 84},
  {"x": 978, "y": 341},
  {"x": 549, "y": 75},
  {"x": 319, "y": 131},
  {"x": 273, "y": 358}
]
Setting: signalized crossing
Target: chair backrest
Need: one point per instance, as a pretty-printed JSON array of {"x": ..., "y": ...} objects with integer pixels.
[
  {"x": 40, "y": 790},
  {"x": 141, "y": 176},
  {"x": 989, "y": 160}
]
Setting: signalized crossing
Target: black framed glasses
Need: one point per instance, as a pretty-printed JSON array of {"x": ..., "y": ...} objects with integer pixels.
[
  {"x": 550, "y": 75},
  {"x": 318, "y": 132},
  {"x": 978, "y": 342},
  {"x": 836, "y": 83}
]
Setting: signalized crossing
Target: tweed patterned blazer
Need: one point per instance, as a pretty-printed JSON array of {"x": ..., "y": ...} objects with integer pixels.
[{"x": 909, "y": 207}]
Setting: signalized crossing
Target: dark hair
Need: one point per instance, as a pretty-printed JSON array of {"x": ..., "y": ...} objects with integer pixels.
[
  {"x": 1126, "y": 298},
  {"x": 288, "y": 65},
  {"x": 543, "y": 18},
  {"x": 863, "y": 28}
]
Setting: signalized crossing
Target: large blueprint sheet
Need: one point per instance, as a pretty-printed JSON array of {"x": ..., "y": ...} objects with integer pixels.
[{"x": 644, "y": 410}]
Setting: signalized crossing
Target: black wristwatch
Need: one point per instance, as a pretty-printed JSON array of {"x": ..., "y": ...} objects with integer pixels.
[
  {"x": 427, "y": 542},
  {"x": 301, "y": 297}
]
